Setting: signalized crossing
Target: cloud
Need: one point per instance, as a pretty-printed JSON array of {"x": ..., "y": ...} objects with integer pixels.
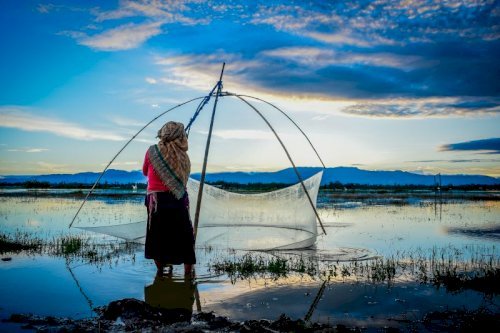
[
  {"x": 473, "y": 160},
  {"x": 49, "y": 8},
  {"x": 153, "y": 15},
  {"x": 425, "y": 107},
  {"x": 380, "y": 49},
  {"x": 126, "y": 163},
  {"x": 250, "y": 77},
  {"x": 333, "y": 50},
  {"x": 240, "y": 134},
  {"x": 321, "y": 117},
  {"x": 319, "y": 73},
  {"x": 327, "y": 25},
  {"x": 19, "y": 118},
  {"x": 491, "y": 145},
  {"x": 151, "y": 142},
  {"x": 44, "y": 8},
  {"x": 169, "y": 11},
  {"x": 123, "y": 37},
  {"x": 322, "y": 57},
  {"x": 156, "y": 100},
  {"x": 51, "y": 167},
  {"x": 318, "y": 90},
  {"x": 342, "y": 37},
  {"x": 126, "y": 122},
  {"x": 384, "y": 22},
  {"x": 28, "y": 150},
  {"x": 197, "y": 70}
]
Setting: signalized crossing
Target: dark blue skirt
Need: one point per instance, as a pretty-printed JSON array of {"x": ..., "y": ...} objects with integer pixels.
[{"x": 169, "y": 235}]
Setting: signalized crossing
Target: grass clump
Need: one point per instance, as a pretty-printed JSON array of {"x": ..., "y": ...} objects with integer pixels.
[
  {"x": 250, "y": 265},
  {"x": 468, "y": 268},
  {"x": 485, "y": 280},
  {"x": 19, "y": 242},
  {"x": 71, "y": 247}
]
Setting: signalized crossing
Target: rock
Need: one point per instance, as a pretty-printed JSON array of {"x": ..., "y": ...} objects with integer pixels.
[
  {"x": 135, "y": 314},
  {"x": 18, "y": 318}
]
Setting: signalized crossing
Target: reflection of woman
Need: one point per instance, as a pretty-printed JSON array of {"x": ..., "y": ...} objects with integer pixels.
[
  {"x": 169, "y": 294},
  {"x": 169, "y": 235}
]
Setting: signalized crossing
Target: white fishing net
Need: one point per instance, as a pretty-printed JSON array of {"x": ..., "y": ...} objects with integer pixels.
[{"x": 282, "y": 219}]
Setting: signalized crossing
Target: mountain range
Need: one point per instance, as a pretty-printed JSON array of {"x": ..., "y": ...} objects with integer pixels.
[{"x": 344, "y": 175}]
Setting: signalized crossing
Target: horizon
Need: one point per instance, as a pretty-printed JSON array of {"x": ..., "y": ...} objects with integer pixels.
[
  {"x": 250, "y": 172},
  {"x": 379, "y": 86}
]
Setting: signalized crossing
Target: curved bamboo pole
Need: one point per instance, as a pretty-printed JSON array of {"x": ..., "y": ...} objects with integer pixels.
[
  {"x": 289, "y": 158},
  {"x": 286, "y": 115}
]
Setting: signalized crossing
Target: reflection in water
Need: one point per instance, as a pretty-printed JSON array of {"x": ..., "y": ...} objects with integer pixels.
[
  {"x": 314, "y": 304},
  {"x": 170, "y": 293},
  {"x": 489, "y": 232},
  {"x": 438, "y": 201},
  {"x": 89, "y": 301}
]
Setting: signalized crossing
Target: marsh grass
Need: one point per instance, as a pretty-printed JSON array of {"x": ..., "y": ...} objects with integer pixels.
[
  {"x": 251, "y": 266},
  {"x": 19, "y": 242},
  {"x": 475, "y": 268},
  {"x": 70, "y": 247}
]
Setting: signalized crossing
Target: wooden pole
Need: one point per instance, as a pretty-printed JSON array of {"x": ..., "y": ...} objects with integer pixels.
[
  {"x": 207, "y": 148},
  {"x": 289, "y": 118}
]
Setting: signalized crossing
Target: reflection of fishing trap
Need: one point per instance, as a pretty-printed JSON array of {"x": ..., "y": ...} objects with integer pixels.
[{"x": 282, "y": 219}]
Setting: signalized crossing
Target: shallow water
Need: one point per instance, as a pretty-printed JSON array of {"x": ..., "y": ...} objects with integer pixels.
[{"x": 357, "y": 231}]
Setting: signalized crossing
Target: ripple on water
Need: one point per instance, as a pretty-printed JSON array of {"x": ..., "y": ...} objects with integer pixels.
[{"x": 335, "y": 254}]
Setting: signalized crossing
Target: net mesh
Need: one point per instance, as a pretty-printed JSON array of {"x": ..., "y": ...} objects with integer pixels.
[{"x": 282, "y": 219}]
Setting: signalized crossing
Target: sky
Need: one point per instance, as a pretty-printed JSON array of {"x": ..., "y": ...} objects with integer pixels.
[{"x": 378, "y": 85}]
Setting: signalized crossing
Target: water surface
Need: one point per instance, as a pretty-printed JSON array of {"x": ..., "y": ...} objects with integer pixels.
[{"x": 358, "y": 231}]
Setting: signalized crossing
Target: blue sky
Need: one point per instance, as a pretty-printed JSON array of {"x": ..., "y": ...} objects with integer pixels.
[{"x": 392, "y": 85}]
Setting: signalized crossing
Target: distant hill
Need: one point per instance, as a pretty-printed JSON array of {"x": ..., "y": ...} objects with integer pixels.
[
  {"x": 343, "y": 175},
  {"x": 111, "y": 176},
  {"x": 346, "y": 175}
]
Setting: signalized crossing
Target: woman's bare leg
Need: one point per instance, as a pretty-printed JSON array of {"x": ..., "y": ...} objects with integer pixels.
[
  {"x": 188, "y": 269},
  {"x": 159, "y": 267}
]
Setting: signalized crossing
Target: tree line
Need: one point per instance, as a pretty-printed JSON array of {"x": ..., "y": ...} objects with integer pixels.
[{"x": 236, "y": 187}]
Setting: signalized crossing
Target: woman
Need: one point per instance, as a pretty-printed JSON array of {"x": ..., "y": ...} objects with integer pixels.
[{"x": 169, "y": 235}]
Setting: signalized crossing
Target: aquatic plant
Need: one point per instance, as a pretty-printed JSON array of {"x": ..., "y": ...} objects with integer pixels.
[
  {"x": 71, "y": 247},
  {"x": 455, "y": 269},
  {"x": 251, "y": 265},
  {"x": 19, "y": 242},
  {"x": 71, "y": 244}
]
